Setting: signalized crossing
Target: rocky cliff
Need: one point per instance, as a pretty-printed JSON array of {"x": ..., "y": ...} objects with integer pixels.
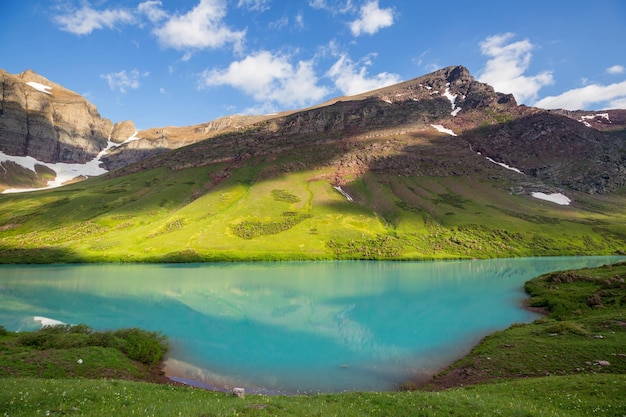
[{"x": 44, "y": 120}]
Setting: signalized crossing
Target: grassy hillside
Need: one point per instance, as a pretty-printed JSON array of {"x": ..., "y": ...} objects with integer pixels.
[{"x": 284, "y": 208}]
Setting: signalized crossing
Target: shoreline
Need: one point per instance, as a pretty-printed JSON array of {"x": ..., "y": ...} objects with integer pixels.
[{"x": 184, "y": 373}]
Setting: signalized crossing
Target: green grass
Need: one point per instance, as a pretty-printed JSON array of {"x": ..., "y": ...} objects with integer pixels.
[
  {"x": 547, "y": 397},
  {"x": 78, "y": 351},
  {"x": 257, "y": 212}
]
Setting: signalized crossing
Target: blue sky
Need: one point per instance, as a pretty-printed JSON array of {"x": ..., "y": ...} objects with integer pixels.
[{"x": 183, "y": 62}]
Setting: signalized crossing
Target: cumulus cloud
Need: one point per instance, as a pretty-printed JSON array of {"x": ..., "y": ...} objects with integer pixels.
[
  {"x": 351, "y": 78},
  {"x": 123, "y": 80},
  {"x": 85, "y": 20},
  {"x": 200, "y": 28},
  {"x": 615, "y": 69},
  {"x": 602, "y": 96},
  {"x": 371, "y": 19},
  {"x": 269, "y": 78},
  {"x": 507, "y": 64}
]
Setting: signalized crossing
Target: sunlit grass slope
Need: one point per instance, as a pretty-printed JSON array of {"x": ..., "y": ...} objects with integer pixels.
[{"x": 259, "y": 211}]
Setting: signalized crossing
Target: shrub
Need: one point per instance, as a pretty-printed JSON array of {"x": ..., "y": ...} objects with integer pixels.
[
  {"x": 143, "y": 346},
  {"x": 58, "y": 337},
  {"x": 103, "y": 339},
  {"x": 285, "y": 196}
]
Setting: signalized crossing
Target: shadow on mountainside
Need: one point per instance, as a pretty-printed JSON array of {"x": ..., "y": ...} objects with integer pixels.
[{"x": 41, "y": 255}]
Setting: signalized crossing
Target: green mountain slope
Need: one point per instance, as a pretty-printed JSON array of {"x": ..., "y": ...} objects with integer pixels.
[
  {"x": 370, "y": 177},
  {"x": 257, "y": 213}
]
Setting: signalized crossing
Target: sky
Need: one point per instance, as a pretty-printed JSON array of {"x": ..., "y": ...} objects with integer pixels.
[{"x": 184, "y": 62}]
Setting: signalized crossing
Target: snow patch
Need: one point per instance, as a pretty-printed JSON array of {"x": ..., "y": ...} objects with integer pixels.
[
  {"x": 557, "y": 198},
  {"x": 387, "y": 101},
  {"x": 46, "y": 321},
  {"x": 442, "y": 129},
  {"x": 600, "y": 115},
  {"x": 583, "y": 119},
  {"x": 343, "y": 193},
  {"x": 502, "y": 164},
  {"x": 40, "y": 87},
  {"x": 452, "y": 98},
  {"x": 64, "y": 172}
]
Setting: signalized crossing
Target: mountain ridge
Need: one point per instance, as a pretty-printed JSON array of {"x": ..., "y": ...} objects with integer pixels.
[
  {"x": 439, "y": 167},
  {"x": 453, "y": 86}
]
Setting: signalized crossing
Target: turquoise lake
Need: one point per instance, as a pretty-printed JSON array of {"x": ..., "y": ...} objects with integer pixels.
[{"x": 289, "y": 327}]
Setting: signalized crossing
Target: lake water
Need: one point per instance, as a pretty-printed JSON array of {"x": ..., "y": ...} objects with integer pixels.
[{"x": 289, "y": 327}]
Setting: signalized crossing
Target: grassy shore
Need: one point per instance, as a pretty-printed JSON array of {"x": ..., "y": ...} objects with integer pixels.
[
  {"x": 601, "y": 395},
  {"x": 570, "y": 363}
]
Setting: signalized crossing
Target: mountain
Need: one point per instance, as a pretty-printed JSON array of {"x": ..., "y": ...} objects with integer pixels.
[
  {"x": 51, "y": 124},
  {"x": 554, "y": 149},
  {"x": 439, "y": 166},
  {"x": 63, "y": 134}
]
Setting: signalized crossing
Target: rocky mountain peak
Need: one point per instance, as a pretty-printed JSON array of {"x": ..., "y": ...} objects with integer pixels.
[
  {"x": 453, "y": 74},
  {"x": 44, "y": 120}
]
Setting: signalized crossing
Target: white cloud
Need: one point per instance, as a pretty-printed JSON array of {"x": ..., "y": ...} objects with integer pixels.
[
  {"x": 200, "y": 28},
  {"x": 152, "y": 9},
  {"x": 350, "y": 79},
  {"x": 604, "y": 96},
  {"x": 299, "y": 20},
  {"x": 269, "y": 78},
  {"x": 124, "y": 80},
  {"x": 507, "y": 65},
  {"x": 372, "y": 19},
  {"x": 619, "y": 103},
  {"x": 85, "y": 20},
  {"x": 418, "y": 61},
  {"x": 256, "y": 5},
  {"x": 333, "y": 6},
  {"x": 279, "y": 24},
  {"x": 616, "y": 69}
]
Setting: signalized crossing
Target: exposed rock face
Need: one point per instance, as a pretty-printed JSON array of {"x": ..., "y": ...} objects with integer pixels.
[
  {"x": 48, "y": 122},
  {"x": 122, "y": 131},
  {"x": 558, "y": 150}
]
